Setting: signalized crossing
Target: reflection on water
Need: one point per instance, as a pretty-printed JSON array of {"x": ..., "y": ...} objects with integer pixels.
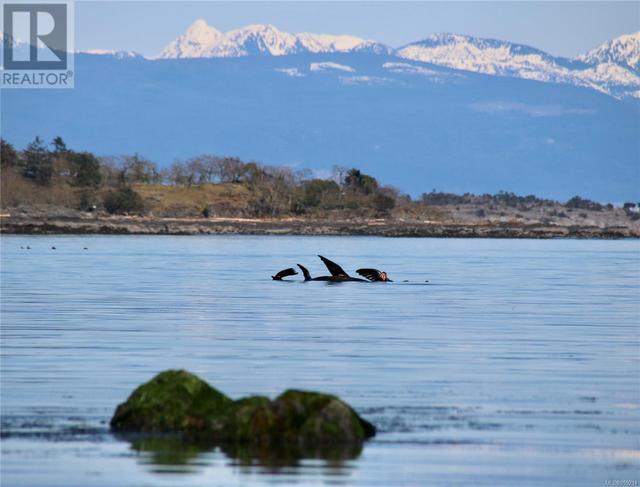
[
  {"x": 171, "y": 454},
  {"x": 516, "y": 364}
]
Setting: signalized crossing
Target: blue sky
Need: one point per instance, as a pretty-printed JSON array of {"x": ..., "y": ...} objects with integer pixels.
[{"x": 560, "y": 28}]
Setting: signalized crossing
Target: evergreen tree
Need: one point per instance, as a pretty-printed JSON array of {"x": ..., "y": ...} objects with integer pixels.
[
  {"x": 59, "y": 146},
  {"x": 8, "y": 155},
  {"x": 359, "y": 182},
  {"x": 85, "y": 169},
  {"x": 38, "y": 163}
]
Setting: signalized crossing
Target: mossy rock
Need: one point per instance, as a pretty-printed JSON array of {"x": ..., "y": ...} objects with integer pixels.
[
  {"x": 177, "y": 401},
  {"x": 173, "y": 401},
  {"x": 298, "y": 417},
  {"x": 321, "y": 418}
]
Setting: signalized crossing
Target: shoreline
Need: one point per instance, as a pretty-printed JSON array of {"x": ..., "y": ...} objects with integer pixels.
[{"x": 129, "y": 225}]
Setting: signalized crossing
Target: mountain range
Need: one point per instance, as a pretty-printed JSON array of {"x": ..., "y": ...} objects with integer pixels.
[
  {"x": 201, "y": 40},
  {"x": 612, "y": 68},
  {"x": 450, "y": 112}
]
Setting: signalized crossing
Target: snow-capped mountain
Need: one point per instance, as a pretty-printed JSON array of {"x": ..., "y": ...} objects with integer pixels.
[
  {"x": 196, "y": 42},
  {"x": 202, "y": 40},
  {"x": 612, "y": 68},
  {"x": 486, "y": 56},
  {"x": 501, "y": 58},
  {"x": 623, "y": 51}
]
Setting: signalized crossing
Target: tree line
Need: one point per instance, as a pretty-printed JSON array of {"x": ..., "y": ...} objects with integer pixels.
[
  {"x": 275, "y": 190},
  {"x": 109, "y": 183}
]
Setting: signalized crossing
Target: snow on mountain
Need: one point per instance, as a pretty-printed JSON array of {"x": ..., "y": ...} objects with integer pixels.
[
  {"x": 609, "y": 78},
  {"x": 500, "y": 58},
  {"x": 612, "y": 68},
  {"x": 366, "y": 80},
  {"x": 412, "y": 69},
  {"x": 256, "y": 40},
  {"x": 123, "y": 54},
  {"x": 623, "y": 51},
  {"x": 202, "y": 40},
  {"x": 317, "y": 43},
  {"x": 372, "y": 47},
  {"x": 486, "y": 56},
  {"x": 330, "y": 66},
  {"x": 292, "y": 72},
  {"x": 196, "y": 42}
]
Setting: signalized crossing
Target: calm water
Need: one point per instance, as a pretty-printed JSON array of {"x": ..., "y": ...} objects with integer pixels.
[{"x": 518, "y": 362}]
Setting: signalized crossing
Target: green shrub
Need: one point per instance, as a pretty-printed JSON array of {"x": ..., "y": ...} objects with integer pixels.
[
  {"x": 583, "y": 204},
  {"x": 321, "y": 191},
  {"x": 124, "y": 200},
  {"x": 383, "y": 202}
]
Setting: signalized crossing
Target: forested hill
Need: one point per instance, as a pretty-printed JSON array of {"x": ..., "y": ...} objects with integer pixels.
[{"x": 52, "y": 179}]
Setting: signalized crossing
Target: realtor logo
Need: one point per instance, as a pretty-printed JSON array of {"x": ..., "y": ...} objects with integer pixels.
[
  {"x": 47, "y": 28},
  {"x": 37, "y": 44}
]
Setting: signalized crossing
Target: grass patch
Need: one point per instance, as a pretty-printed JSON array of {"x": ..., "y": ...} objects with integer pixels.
[{"x": 220, "y": 199}]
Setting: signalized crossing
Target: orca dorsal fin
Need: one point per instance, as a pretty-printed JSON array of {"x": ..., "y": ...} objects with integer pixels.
[
  {"x": 334, "y": 269},
  {"x": 305, "y": 272}
]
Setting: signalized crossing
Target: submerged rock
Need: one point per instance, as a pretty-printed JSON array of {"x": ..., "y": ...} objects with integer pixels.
[{"x": 177, "y": 401}]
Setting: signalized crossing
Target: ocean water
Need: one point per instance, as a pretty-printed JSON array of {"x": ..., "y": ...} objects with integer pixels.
[{"x": 517, "y": 363}]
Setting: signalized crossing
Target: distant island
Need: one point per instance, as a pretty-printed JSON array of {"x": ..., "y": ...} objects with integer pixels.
[{"x": 50, "y": 188}]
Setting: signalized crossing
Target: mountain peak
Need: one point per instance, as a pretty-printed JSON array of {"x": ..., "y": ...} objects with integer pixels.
[
  {"x": 623, "y": 51},
  {"x": 201, "y": 32},
  {"x": 257, "y": 39},
  {"x": 195, "y": 42},
  {"x": 201, "y": 40},
  {"x": 198, "y": 24},
  {"x": 258, "y": 28}
]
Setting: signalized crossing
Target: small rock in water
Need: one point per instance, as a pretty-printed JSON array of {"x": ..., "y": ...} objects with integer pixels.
[{"x": 178, "y": 401}]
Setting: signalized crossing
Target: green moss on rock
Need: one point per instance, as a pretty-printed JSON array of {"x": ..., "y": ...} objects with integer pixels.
[
  {"x": 177, "y": 401},
  {"x": 173, "y": 401},
  {"x": 297, "y": 417}
]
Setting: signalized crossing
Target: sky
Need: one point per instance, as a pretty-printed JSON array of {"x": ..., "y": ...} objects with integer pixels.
[{"x": 559, "y": 28}]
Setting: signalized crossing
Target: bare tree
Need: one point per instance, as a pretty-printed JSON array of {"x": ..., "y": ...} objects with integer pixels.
[
  {"x": 178, "y": 174},
  {"x": 137, "y": 169},
  {"x": 210, "y": 167},
  {"x": 231, "y": 170},
  {"x": 110, "y": 170}
]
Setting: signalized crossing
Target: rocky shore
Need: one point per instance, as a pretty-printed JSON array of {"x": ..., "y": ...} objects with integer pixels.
[{"x": 138, "y": 225}]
